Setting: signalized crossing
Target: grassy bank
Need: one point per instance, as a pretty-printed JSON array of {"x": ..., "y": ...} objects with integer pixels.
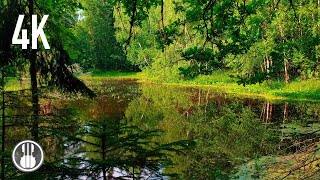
[
  {"x": 112, "y": 75},
  {"x": 13, "y": 84},
  {"x": 221, "y": 81}
]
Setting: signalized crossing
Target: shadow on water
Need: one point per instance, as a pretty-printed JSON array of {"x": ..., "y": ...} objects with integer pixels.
[{"x": 145, "y": 131}]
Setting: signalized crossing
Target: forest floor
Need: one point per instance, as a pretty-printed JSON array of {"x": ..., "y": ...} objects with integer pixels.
[{"x": 304, "y": 90}]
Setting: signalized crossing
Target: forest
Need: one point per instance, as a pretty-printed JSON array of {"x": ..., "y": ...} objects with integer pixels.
[
  {"x": 163, "y": 89},
  {"x": 248, "y": 41}
]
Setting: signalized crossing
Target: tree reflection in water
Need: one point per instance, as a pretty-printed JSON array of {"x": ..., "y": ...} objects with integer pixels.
[
  {"x": 111, "y": 149},
  {"x": 236, "y": 137},
  {"x": 100, "y": 149}
]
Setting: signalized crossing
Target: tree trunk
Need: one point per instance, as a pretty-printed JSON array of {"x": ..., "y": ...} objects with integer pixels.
[
  {"x": 163, "y": 27},
  {"x": 134, "y": 11},
  {"x": 104, "y": 151},
  {"x": 285, "y": 111},
  {"x": 3, "y": 128},
  {"x": 35, "y": 95},
  {"x": 286, "y": 71},
  {"x": 268, "y": 64},
  {"x": 34, "y": 83}
]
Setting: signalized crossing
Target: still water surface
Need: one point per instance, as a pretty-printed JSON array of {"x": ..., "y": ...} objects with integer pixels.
[{"x": 128, "y": 131}]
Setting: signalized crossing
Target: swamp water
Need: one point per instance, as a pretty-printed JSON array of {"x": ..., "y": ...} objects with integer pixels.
[{"x": 148, "y": 131}]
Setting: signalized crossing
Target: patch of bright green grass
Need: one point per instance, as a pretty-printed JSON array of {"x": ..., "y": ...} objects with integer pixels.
[
  {"x": 219, "y": 81},
  {"x": 302, "y": 89},
  {"x": 226, "y": 82},
  {"x": 13, "y": 84},
  {"x": 112, "y": 74}
]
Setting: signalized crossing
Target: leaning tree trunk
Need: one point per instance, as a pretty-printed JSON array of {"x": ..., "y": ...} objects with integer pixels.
[{"x": 34, "y": 83}]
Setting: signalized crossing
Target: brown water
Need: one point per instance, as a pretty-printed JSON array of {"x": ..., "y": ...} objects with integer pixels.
[{"x": 235, "y": 137}]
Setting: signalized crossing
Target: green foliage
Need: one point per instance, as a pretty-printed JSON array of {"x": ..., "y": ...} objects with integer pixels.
[
  {"x": 95, "y": 45},
  {"x": 51, "y": 65},
  {"x": 258, "y": 40},
  {"x": 202, "y": 61},
  {"x": 128, "y": 146},
  {"x": 109, "y": 145},
  {"x": 170, "y": 32},
  {"x": 226, "y": 135}
]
